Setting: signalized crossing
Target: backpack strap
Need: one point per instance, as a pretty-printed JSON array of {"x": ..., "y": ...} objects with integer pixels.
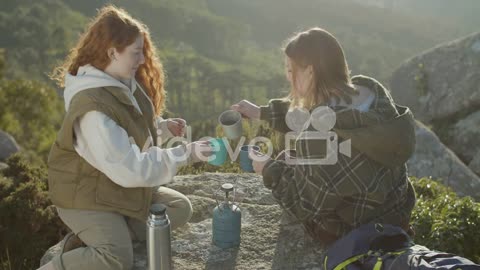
[
  {"x": 380, "y": 256},
  {"x": 373, "y": 239}
]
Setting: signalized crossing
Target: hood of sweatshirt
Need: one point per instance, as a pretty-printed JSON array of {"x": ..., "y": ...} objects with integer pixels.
[{"x": 89, "y": 77}]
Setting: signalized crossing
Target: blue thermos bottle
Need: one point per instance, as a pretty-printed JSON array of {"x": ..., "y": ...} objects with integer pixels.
[{"x": 227, "y": 219}]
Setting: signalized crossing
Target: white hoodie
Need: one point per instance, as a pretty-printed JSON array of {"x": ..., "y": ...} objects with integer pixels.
[{"x": 106, "y": 146}]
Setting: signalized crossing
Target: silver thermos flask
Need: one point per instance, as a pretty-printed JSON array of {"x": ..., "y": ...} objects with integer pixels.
[{"x": 158, "y": 239}]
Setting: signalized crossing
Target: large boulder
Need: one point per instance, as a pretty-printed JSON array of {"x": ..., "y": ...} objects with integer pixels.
[
  {"x": 270, "y": 238},
  {"x": 475, "y": 164},
  {"x": 465, "y": 137},
  {"x": 433, "y": 159},
  {"x": 441, "y": 82},
  {"x": 8, "y": 145}
]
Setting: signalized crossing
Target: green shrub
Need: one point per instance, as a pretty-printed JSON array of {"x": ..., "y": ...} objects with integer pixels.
[
  {"x": 31, "y": 112},
  {"x": 445, "y": 222},
  {"x": 28, "y": 222}
]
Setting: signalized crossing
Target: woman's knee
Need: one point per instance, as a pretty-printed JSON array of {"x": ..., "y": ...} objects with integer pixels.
[
  {"x": 117, "y": 257},
  {"x": 179, "y": 207}
]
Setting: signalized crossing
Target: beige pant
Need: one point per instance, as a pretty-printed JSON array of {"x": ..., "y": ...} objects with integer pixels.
[{"x": 108, "y": 236}]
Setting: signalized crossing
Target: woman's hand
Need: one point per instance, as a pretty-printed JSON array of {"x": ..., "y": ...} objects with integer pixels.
[
  {"x": 247, "y": 109},
  {"x": 177, "y": 126},
  {"x": 258, "y": 160}
]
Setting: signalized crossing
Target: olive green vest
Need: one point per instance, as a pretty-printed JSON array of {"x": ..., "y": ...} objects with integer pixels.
[{"x": 74, "y": 183}]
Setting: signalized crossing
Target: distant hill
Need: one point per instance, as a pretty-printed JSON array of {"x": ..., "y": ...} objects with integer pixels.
[
  {"x": 463, "y": 13},
  {"x": 376, "y": 39},
  {"x": 217, "y": 52}
]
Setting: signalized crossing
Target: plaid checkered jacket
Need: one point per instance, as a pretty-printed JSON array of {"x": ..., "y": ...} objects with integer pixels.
[{"x": 370, "y": 186}]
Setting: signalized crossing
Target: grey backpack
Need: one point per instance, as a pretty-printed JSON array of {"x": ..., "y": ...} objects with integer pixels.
[{"x": 386, "y": 247}]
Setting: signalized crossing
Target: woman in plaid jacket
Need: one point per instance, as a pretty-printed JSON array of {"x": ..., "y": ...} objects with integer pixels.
[{"x": 367, "y": 182}]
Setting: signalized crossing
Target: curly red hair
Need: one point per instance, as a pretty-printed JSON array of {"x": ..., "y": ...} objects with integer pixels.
[{"x": 113, "y": 27}]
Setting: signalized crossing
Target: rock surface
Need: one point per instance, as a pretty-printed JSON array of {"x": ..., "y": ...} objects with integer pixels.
[
  {"x": 475, "y": 164},
  {"x": 465, "y": 136},
  {"x": 442, "y": 81},
  {"x": 8, "y": 145},
  {"x": 433, "y": 158},
  {"x": 270, "y": 239}
]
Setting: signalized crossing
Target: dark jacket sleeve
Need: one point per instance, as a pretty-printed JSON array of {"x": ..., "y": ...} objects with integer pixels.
[{"x": 274, "y": 113}]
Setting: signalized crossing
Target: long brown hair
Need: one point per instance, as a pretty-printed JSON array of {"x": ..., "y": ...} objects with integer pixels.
[
  {"x": 114, "y": 27},
  {"x": 331, "y": 76}
]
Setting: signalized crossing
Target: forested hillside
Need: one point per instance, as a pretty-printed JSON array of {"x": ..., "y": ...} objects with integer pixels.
[
  {"x": 463, "y": 13},
  {"x": 217, "y": 52}
]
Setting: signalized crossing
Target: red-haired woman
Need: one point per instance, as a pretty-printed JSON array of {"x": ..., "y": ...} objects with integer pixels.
[{"x": 106, "y": 166}]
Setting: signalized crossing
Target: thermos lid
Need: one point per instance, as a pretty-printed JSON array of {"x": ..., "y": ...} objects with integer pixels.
[
  {"x": 227, "y": 187},
  {"x": 158, "y": 209}
]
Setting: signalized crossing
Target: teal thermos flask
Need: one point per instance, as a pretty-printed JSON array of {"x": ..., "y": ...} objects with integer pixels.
[{"x": 227, "y": 219}]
